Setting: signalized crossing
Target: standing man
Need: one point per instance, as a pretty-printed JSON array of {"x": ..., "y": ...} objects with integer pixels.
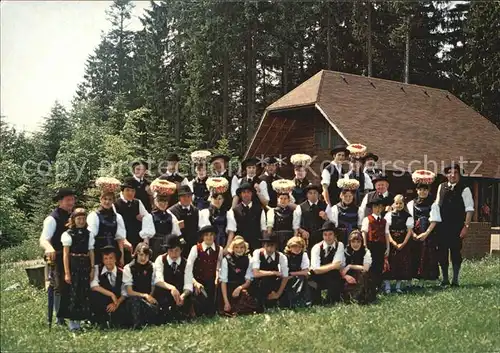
[
  {"x": 309, "y": 216},
  {"x": 141, "y": 184},
  {"x": 457, "y": 207},
  {"x": 332, "y": 173},
  {"x": 266, "y": 180},
  {"x": 219, "y": 163},
  {"x": 370, "y": 165},
  {"x": 172, "y": 175},
  {"x": 50, "y": 240}
]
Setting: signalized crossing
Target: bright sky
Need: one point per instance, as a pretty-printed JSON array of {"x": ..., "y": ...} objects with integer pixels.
[{"x": 44, "y": 46}]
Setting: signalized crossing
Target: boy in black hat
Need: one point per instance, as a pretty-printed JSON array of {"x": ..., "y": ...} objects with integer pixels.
[
  {"x": 269, "y": 196},
  {"x": 370, "y": 168},
  {"x": 457, "y": 207},
  {"x": 188, "y": 217},
  {"x": 249, "y": 176},
  {"x": 381, "y": 184},
  {"x": 376, "y": 236},
  {"x": 108, "y": 292},
  {"x": 54, "y": 226},
  {"x": 356, "y": 172},
  {"x": 202, "y": 270},
  {"x": 327, "y": 258},
  {"x": 172, "y": 290},
  {"x": 249, "y": 217},
  {"x": 141, "y": 184},
  {"x": 132, "y": 211},
  {"x": 332, "y": 173},
  {"x": 172, "y": 175},
  {"x": 309, "y": 216},
  {"x": 219, "y": 163},
  {"x": 270, "y": 270}
]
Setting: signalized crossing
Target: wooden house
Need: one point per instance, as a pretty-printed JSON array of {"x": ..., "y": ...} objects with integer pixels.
[{"x": 408, "y": 126}]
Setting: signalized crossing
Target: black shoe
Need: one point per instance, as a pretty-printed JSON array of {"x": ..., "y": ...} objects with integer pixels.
[
  {"x": 60, "y": 321},
  {"x": 445, "y": 283},
  {"x": 455, "y": 284}
]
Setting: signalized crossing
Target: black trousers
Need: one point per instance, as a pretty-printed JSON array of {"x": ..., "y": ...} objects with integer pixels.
[
  {"x": 99, "y": 303},
  {"x": 377, "y": 250},
  {"x": 60, "y": 287},
  {"x": 263, "y": 287},
  {"x": 206, "y": 306},
  {"x": 332, "y": 282},
  {"x": 450, "y": 245},
  {"x": 169, "y": 311}
]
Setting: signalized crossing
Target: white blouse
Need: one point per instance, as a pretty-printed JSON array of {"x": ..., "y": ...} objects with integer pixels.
[
  {"x": 148, "y": 226},
  {"x": 66, "y": 240},
  {"x": 93, "y": 225}
]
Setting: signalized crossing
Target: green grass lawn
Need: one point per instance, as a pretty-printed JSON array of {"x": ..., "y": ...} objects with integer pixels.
[{"x": 466, "y": 319}]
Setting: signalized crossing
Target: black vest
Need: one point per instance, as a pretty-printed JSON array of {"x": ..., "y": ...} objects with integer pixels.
[
  {"x": 283, "y": 218},
  {"x": 173, "y": 178},
  {"x": 190, "y": 218},
  {"x": 201, "y": 193},
  {"x": 104, "y": 281},
  {"x": 310, "y": 220},
  {"x": 421, "y": 213},
  {"x": 237, "y": 267},
  {"x": 333, "y": 189},
  {"x": 398, "y": 221},
  {"x": 347, "y": 219},
  {"x": 79, "y": 240},
  {"x": 141, "y": 193},
  {"x": 299, "y": 193},
  {"x": 107, "y": 228},
  {"x": 355, "y": 257},
  {"x": 129, "y": 212},
  {"x": 266, "y": 266},
  {"x": 327, "y": 259},
  {"x": 294, "y": 262},
  {"x": 218, "y": 218},
  {"x": 142, "y": 276},
  {"x": 452, "y": 204},
  {"x": 174, "y": 278},
  {"x": 61, "y": 217},
  {"x": 163, "y": 223},
  {"x": 248, "y": 222},
  {"x": 273, "y": 196}
]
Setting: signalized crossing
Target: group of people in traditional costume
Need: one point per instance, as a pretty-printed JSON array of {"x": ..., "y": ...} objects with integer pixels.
[{"x": 174, "y": 249}]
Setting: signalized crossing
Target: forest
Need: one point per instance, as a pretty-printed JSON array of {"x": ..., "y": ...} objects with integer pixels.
[{"x": 199, "y": 74}]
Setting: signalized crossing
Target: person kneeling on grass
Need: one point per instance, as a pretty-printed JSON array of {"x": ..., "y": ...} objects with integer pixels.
[
  {"x": 297, "y": 292},
  {"x": 108, "y": 293},
  {"x": 327, "y": 257},
  {"x": 236, "y": 276},
  {"x": 270, "y": 270},
  {"x": 138, "y": 279},
  {"x": 172, "y": 291},
  {"x": 202, "y": 270},
  {"x": 78, "y": 257},
  {"x": 358, "y": 260}
]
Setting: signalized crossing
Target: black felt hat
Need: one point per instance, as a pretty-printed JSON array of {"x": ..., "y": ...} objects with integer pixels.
[
  {"x": 379, "y": 177},
  {"x": 110, "y": 249},
  {"x": 207, "y": 229},
  {"x": 219, "y": 156},
  {"x": 61, "y": 193},
  {"x": 316, "y": 187},
  {"x": 244, "y": 186},
  {"x": 173, "y": 157},
  {"x": 172, "y": 241},
  {"x": 379, "y": 201},
  {"x": 249, "y": 162},
  {"x": 128, "y": 183},
  {"x": 184, "y": 190},
  {"x": 328, "y": 226},
  {"x": 370, "y": 155},
  {"x": 339, "y": 148},
  {"x": 271, "y": 238},
  {"x": 455, "y": 166},
  {"x": 140, "y": 162}
]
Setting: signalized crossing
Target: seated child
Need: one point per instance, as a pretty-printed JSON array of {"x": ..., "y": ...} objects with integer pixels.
[{"x": 297, "y": 292}]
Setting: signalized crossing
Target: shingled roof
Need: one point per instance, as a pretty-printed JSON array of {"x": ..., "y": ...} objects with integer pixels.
[{"x": 400, "y": 121}]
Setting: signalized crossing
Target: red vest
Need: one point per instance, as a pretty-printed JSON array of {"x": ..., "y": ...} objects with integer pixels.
[
  {"x": 205, "y": 266},
  {"x": 376, "y": 229}
]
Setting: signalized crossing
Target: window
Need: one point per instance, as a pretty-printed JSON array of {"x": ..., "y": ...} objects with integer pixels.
[{"x": 325, "y": 136}]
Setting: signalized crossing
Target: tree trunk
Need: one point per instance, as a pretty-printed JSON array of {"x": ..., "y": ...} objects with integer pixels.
[
  {"x": 407, "y": 52},
  {"x": 285, "y": 72},
  {"x": 328, "y": 37},
  {"x": 369, "y": 40},
  {"x": 251, "y": 77},
  {"x": 225, "y": 94}
]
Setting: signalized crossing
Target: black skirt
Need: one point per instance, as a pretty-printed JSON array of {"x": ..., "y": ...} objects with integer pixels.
[
  {"x": 297, "y": 293},
  {"x": 362, "y": 292},
  {"x": 141, "y": 311},
  {"x": 79, "y": 289},
  {"x": 245, "y": 303}
]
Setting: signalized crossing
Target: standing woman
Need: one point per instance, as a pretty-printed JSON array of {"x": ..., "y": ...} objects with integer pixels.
[
  {"x": 78, "y": 257},
  {"x": 216, "y": 215},
  {"x": 157, "y": 225},
  {"x": 198, "y": 184},
  {"x": 300, "y": 162},
  {"x": 249, "y": 176},
  {"x": 280, "y": 218},
  {"x": 345, "y": 213},
  {"x": 220, "y": 163},
  {"x": 426, "y": 216},
  {"x": 142, "y": 191},
  {"x": 356, "y": 171},
  {"x": 105, "y": 223}
]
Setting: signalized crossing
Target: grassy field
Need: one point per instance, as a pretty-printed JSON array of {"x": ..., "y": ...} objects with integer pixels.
[{"x": 466, "y": 319}]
